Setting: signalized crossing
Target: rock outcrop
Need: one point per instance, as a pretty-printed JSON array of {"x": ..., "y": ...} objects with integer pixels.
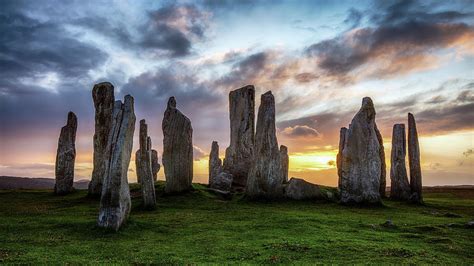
[
  {"x": 177, "y": 149},
  {"x": 66, "y": 156},
  {"x": 360, "y": 159},
  {"x": 299, "y": 189},
  {"x": 399, "y": 186},
  {"x": 284, "y": 162},
  {"x": 155, "y": 165},
  {"x": 414, "y": 161},
  {"x": 383, "y": 167},
  {"x": 265, "y": 179},
  {"x": 115, "y": 198},
  {"x": 342, "y": 139},
  {"x": 218, "y": 179},
  {"x": 144, "y": 167},
  {"x": 239, "y": 154},
  {"x": 103, "y": 96}
]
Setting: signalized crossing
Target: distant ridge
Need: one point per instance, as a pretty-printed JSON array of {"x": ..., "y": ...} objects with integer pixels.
[{"x": 14, "y": 182}]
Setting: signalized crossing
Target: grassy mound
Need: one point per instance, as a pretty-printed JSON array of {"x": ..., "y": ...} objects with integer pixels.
[{"x": 201, "y": 227}]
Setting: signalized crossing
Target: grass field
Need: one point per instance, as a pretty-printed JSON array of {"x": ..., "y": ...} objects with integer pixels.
[{"x": 199, "y": 227}]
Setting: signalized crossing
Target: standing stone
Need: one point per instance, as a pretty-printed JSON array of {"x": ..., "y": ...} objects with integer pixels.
[
  {"x": 383, "y": 167},
  {"x": 342, "y": 139},
  {"x": 399, "y": 186},
  {"x": 103, "y": 96},
  {"x": 215, "y": 163},
  {"x": 360, "y": 161},
  {"x": 155, "y": 166},
  {"x": 115, "y": 198},
  {"x": 265, "y": 178},
  {"x": 414, "y": 161},
  {"x": 239, "y": 154},
  {"x": 66, "y": 156},
  {"x": 177, "y": 149},
  {"x": 218, "y": 179},
  {"x": 284, "y": 162},
  {"x": 144, "y": 169}
]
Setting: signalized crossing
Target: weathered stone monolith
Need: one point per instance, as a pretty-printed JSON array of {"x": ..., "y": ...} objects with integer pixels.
[
  {"x": 342, "y": 139},
  {"x": 115, "y": 198},
  {"x": 215, "y": 163},
  {"x": 265, "y": 179},
  {"x": 239, "y": 154},
  {"x": 103, "y": 96},
  {"x": 144, "y": 168},
  {"x": 360, "y": 161},
  {"x": 399, "y": 186},
  {"x": 284, "y": 162},
  {"x": 383, "y": 167},
  {"x": 414, "y": 161},
  {"x": 177, "y": 149},
  {"x": 65, "y": 156},
  {"x": 218, "y": 179},
  {"x": 155, "y": 165}
]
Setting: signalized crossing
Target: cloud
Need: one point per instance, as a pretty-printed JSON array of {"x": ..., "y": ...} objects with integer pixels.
[
  {"x": 300, "y": 131},
  {"x": 354, "y": 18},
  {"x": 174, "y": 27},
  {"x": 468, "y": 152},
  {"x": 198, "y": 153},
  {"x": 395, "y": 45}
]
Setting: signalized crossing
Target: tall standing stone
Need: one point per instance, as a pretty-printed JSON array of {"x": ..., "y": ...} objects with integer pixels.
[
  {"x": 155, "y": 166},
  {"x": 383, "y": 166},
  {"x": 399, "y": 186},
  {"x": 144, "y": 167},
  {"x": 414, "y": 161},
  {"x": 239, "y": 154},
  {"x": 342, "y": 140},
  {"x": 65, "y": 156},
  {"x": 215, "y": 163},
  {"x": 177, "y": 149},
  {"x": 284, "y": 162},
  {"x": 360, "y": 161},
  {"x": 103, "y": 96},
  {"x": 265, "y": 178},
  {"x": 115, "y": 198}
]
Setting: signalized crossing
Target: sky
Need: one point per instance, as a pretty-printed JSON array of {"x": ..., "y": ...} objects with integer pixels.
[{"x": 319, "y": 58}]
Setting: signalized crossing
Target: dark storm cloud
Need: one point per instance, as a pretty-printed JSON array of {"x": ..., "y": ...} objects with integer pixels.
[
  {"x": 29, "y": 47},
  {"x": 401, "y": 39},
  {"x": 173, "y": 28}
]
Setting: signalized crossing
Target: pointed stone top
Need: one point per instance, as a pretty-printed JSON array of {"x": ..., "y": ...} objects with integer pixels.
[
  {"x": 172, "y": 102},
  {"x": 128, "y": 103},
  {"x": 215, "y": 143},
  {"x": 71, "y": 118},
  {"x": 142, "y": 121},
  {"x": 283, "y": 148},
  {"x": 411, "y": 116},
  {"x": 399, "y": 125},
  {"x": 267, "y": 97},
  {"x": 368, "y": 107},
  {"x": 148, "y": 143},
  {"x": 246, "y": 87}
]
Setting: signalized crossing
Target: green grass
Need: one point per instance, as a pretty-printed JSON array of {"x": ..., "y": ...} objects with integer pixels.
[{"x": 199, "y": 227}]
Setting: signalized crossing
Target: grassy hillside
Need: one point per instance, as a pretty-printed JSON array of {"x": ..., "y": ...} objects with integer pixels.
[{"x": 38, "y": 227}]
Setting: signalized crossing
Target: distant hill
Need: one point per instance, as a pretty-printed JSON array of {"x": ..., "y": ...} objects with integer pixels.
[{"x": 13, "y": 182}]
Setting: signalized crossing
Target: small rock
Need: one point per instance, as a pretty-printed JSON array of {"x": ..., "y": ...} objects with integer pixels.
[
  {"x": 389, "y": 224},
  {"x": 299, "y": 189},
  {"x": 470, "y": 224}
]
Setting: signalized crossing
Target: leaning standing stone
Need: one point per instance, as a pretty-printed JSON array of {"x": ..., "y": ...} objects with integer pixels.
[
  {"x": 103, "y": 96},
  {"x": 399, "y": 186},
  {"x": 66, "y": 156},
  {"x": 383, "y": 167},
  {"x": 115, "y": 199},
  {"x": 177, "y": 149},
  {"x": 360, "y": 161},
  {"x": 265, "y": 178},
  {"x": 284, "y": 162},
  {"x": 239, "y": 154},
  {"x": 414, "y": 161},
  {"x": 144, "y": 168},
  {"x": 215, "y": 164}
]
